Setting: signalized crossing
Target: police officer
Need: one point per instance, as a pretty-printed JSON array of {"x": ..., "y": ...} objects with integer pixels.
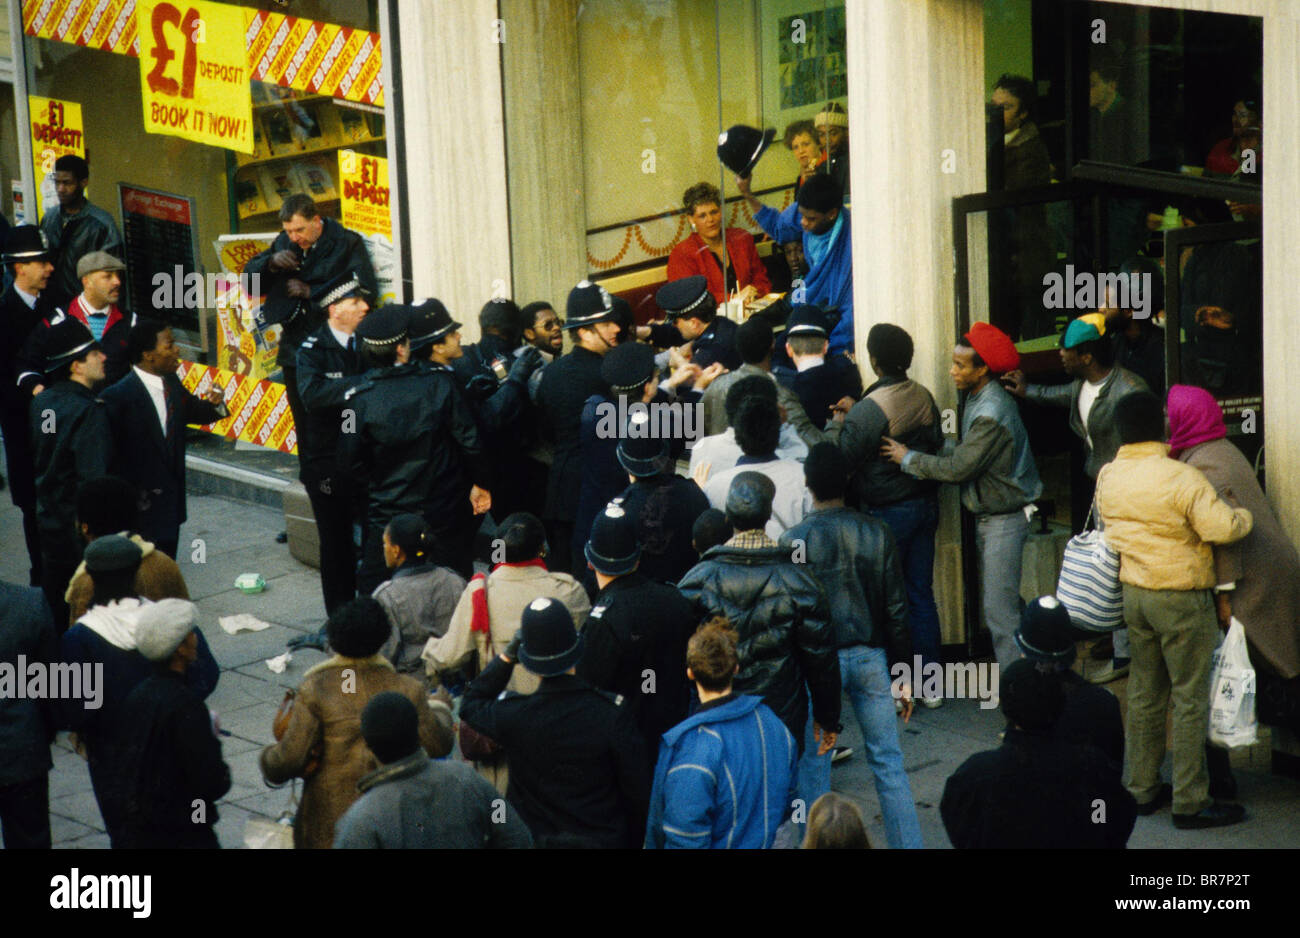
[
  {"x": 693, "y": 317},
  {"x": 663, "y": 505},
  {"x": 415, "y": 442},
  {"x": 591, "y": 318},
  {"x": 637, "y": 631},
  {"x": 71, "y": 444},
  {"x": 578, "y": 772},
  {"x": 820, "y": 380},
  {"x": 328, "y": 366},
  {"x": 496, "y": 382}
]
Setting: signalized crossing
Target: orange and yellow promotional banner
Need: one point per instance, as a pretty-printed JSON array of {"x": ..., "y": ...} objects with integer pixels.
[
  {"x": 284, "y": 50},
  {"x": 194, "y": 72},
  {"x": 364, "y": 193},
  {"x": 259, "y": 410},
  {"x": 56, "y": 131}
]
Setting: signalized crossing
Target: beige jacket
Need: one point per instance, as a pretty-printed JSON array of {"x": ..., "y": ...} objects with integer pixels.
[
  {"x": 509, "y": 591},
  {"x": 1162, "y": 515}
]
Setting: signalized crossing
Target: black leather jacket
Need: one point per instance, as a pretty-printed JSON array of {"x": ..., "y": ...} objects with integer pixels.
[
  {"x": 786, "y": 636},
  {"x": 855, "y": 559},
  {"x": 337, "y": 250},
  {"x": 415, "y": 444}
]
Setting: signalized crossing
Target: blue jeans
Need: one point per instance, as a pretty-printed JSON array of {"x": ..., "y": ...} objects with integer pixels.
[
  {"x": 913, "y": 523},
  {"x": 864, "y": 675},
  {"x": 1000, "y": 544}
]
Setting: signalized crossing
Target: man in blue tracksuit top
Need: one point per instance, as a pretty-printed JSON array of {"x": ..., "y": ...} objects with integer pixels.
[
  {"x": 819, "y": 216},
  {"x": 726, "y": 776}
]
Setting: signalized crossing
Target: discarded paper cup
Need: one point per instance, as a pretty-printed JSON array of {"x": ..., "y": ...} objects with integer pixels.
[{"x": 250, "y": 582}]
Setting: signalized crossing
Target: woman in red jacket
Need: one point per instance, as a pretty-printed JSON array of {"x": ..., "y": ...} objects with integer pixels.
[{"x": 702, "y": 252}]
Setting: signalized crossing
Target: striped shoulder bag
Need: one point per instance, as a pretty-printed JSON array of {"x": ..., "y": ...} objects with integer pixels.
[{"x": 1089, "y": 586}]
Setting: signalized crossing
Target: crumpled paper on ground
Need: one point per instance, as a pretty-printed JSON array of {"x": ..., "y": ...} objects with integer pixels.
[
  {"x": 279, "y": 662},
  {"x": 242, "y": 623}
]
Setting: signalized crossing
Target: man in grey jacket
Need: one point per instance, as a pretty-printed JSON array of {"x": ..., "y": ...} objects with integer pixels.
[
  {"x": 1088, "y": 356},
  {"x": 996, "y": 471},
  {"x": 412, "y": 802}
]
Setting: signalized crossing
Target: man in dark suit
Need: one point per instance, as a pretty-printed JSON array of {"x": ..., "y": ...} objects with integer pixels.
[
  {"x": 26, "y": 725},
  {"x": 148, "y": 411},
  {"x": 311, "y": 251},
  {"x": 23, "y": 305}
]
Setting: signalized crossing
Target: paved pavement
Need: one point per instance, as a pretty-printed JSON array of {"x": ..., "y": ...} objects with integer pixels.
[{"x": 239, "y": 537}]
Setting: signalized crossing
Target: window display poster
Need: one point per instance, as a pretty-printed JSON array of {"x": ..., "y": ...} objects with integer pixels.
[
  {"x": 56, "y": 131},
  {"x": 365, "y": 194},
  {"x": 194, "y": 78}
]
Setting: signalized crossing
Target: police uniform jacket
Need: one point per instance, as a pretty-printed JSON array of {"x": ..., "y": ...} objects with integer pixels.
[
  {"x": 336, "y": 251},
  {"x": 79, "y": 447},
  {"x": 715, "y": 344},
  {"x": 665, "y": 508},
  {"x": 17, "y": 324},
  {"x": 566, "y": 385},
  {"x": 326, "y": 372},
  {"x": 578, "y": 772},
  {"x": 415, "y": 444},
  {"x": 635, "y": 645}
]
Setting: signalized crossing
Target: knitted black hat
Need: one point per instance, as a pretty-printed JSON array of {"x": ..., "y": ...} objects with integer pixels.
[
  {"x": 430, "y": 322},
  {"x": 385, "y": 327},
  {"x": 626, "y": 368},
  {"x": 1044, "y": 633},
  {"x": 589, "y": 303},
  {"x": 65, "y": 341},
  {"x": 341, "y": 287},
  {"x": 390, "y": 726},
  {"x": 740, "y": 147},
  {"x": 613, "y": 548},
  {"x": 551, "y": 645},
  {"x": 686, "y": 297},
  {"x": 112, "y": 554}
]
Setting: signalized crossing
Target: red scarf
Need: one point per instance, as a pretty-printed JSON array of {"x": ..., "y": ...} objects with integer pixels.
[{"x": 478, "y": 618}]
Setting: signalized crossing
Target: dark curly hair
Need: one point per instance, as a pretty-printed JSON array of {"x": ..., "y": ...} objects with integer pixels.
[
  {"x": 702, "y": 193},
  {"x": 358, "y": 628}
]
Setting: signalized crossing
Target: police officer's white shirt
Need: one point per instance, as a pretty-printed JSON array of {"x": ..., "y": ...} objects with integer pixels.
[{"x": 28, "y": 298}]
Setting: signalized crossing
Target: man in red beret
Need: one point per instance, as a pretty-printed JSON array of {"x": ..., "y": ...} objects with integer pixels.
[{"x": 996, "y": 471}]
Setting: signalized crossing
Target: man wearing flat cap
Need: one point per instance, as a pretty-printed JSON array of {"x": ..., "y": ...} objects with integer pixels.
[
  {"x": 71, "y": 444},
  {"x": 100, "y": 274},
  {"x": 414, "y": 442},
  {"x": 566, "y": 385},
  {"x": 996, "y": 471},
  {"x": 329, "y": 365},
  {"x": 24, "y": 304},
  {"x": 578, "y": 773},
  {"x": 171, "y": 761},
  {"x": 311, "y": 251},
  {"x": 637, "y": 627}
]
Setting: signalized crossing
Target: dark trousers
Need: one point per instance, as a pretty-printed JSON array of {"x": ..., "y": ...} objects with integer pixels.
[
  {"x": 168, "y": 545},
  {"x": 338, "y": 553},
  {"x": 559, "y": 537},
  {"x": 25, "y": 814},
  {"x": 295, "y": 400},
  {"x": 31, "y": 534},
  {"x": 55, "y": 576},
  {"x": 373, "y": 571}
]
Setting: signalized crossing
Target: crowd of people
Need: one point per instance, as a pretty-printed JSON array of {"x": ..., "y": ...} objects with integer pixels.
[{"x": 625, "y": 656}]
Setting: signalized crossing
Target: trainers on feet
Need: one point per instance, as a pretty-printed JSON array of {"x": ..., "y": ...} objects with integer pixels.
[
  {"x": 932, "y": 703},
  {"x": 840, "y": 753},
  {"x": 1219, "y": 814}
]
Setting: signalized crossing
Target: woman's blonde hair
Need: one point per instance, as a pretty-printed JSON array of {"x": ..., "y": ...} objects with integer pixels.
[{"x": 835, "y": 823}]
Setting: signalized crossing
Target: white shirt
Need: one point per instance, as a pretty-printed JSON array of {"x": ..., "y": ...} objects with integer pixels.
[
  {"x": 154, "y": 385},
  {"x": 1087, "y": 397},
  {"x": 28, "y": 298},
  {"x": 341, "y": 337},
  {"x": 805, "y": 362}
]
